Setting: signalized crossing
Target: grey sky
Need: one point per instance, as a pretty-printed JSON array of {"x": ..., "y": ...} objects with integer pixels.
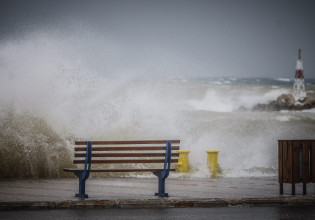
[{"x": 204, "y": 38}]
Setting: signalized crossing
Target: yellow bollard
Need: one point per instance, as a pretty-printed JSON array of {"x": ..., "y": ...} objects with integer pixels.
[
  {"x": 183, "y": 161},
  {"x": 213, "y": 162}
]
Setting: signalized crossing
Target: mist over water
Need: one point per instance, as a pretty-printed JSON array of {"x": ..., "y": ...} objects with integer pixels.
[{"x": 58, "y": 87}]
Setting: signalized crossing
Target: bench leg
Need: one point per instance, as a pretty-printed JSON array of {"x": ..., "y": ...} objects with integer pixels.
[
  {"x": 82, "y": 179},
  {"x": 293, "y": 188},
  {"x": 161, "y": 192},
  {"x": 281, "y": 188},
  {"x": 81, "y": 193}
]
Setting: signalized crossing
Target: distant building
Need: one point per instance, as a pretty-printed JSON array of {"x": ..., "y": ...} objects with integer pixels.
[{"x": 299, "y": 87}]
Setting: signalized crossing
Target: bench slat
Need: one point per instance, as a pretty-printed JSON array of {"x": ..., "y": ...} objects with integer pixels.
[
  {"x": 125, "y": 161},
  {"x": 115, "y": 170},
  {"x": 136, "y": 148},
  {"x": 127, "y": 142},
  {"x": 126, "y": 155}
]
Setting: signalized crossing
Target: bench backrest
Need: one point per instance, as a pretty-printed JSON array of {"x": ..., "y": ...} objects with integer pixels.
[{"x": 127, "y": 152}]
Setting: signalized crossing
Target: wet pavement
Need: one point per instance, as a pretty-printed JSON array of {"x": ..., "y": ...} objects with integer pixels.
[{"x": 139, "y": 193}]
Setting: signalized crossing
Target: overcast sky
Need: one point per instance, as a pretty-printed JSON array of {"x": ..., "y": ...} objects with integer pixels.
[{"x": 248, "y": 38}]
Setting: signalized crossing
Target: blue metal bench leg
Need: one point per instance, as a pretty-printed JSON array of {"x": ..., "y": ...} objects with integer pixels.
[
  {"x": 84, "y": 175},
  {"x": 81, "y": 193},
  {"x": 161, "y": 192},
  {"x": 163, "y": 174}
]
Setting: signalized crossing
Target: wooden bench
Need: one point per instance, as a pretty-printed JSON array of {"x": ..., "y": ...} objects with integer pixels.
[
  {"x": 138, "y": 154},
  {"x": 296, "y": 163}
]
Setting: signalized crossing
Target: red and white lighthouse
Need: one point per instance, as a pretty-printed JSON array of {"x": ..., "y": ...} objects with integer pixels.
[{"x": 299, "y": 87}]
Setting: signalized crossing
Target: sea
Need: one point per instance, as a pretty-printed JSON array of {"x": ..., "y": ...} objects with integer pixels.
[
  {"x": 57, "y": 88},
  {"x": 40, "y": 118}
]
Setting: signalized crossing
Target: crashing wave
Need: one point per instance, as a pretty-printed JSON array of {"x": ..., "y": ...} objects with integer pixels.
[{"x": 29, "y": 147}]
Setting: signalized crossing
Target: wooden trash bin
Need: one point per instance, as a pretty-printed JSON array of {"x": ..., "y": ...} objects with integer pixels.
[{"x": 296, "y": 163}]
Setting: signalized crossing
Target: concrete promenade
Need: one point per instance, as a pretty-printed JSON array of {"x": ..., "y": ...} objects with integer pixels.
[{"x": 139, "y": 193}]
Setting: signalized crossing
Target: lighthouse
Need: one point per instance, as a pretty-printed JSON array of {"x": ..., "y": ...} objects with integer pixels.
[{"x": 299, "y": 87}]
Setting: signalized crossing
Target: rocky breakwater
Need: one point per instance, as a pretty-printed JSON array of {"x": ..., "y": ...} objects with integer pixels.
[{"x": 286, "y": 102}]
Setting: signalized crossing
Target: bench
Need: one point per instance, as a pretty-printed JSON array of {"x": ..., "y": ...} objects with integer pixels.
[
  {"x": 296, "y": 163},
  {"x": 158, "y": 154}
]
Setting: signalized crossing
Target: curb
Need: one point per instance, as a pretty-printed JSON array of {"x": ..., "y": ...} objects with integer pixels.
[{"x": 156, "y": 203}]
